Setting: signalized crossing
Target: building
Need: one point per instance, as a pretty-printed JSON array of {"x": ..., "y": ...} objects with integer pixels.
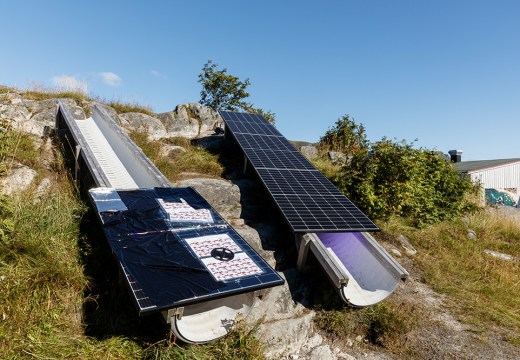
[{"x": 499, "y": 178}]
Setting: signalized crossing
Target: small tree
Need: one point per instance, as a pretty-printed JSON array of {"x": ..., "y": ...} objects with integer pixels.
[
  {"x": 346, "y": 136},
  {"x": 222, "y": 91}
]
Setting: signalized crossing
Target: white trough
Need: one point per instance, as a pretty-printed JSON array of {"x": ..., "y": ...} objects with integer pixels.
[{"x": 361, "y": 270}]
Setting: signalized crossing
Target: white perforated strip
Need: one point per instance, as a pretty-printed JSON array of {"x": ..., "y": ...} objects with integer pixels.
[{"x": 105, "y": 155}]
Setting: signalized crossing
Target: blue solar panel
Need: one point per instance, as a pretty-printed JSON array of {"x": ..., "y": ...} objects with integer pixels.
[
  {"x": 307, "y": 199},
  {"x": 164, "y": 240}
]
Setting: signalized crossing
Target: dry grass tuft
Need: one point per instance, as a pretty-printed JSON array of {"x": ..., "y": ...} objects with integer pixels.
[
  {"x": 194, "y": 161},
  {"x": 483, "y": 289}
]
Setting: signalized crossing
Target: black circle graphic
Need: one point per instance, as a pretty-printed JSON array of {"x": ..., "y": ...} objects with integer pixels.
[{"x": 222, "y": 254}]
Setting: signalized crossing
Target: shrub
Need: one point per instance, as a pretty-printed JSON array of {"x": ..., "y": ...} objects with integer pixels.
[
  {"x": 346, "y": 136},
  {"x": 391, "y": 178}
]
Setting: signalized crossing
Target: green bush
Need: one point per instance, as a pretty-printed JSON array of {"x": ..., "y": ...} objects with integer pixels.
[
  {"x": 346, "y": 136},
  {"x": 391, "y": 178}
]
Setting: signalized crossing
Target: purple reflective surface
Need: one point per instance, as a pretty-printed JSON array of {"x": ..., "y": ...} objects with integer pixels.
[{"x": 341, "y": 243}]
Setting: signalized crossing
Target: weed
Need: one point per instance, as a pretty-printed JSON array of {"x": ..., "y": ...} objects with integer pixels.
[
  {"x": 20, "y": 147},
  {"x": 49, "y": 93},
  {"x": 483, "y": 289},
  {"x": 194, "y": 160},
  {"x": 179, "y": 141},
  {"x": 334, "y": 322},
  {"x": 385, "y": 326},
  {"x": 125, "y": 107},
  {"x": 198, "y": 161},
  {"x": 5, "y": 89},
  {"x": 326, "y": 166}
]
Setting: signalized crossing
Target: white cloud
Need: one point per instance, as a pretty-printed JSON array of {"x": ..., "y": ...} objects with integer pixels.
[
  {"x": 110, "y": 78},
  {"x": 158, "y": 74},
  {"x": 67, "y": 82}
]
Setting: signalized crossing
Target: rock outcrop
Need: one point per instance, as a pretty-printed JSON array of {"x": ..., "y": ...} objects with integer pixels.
[{"x": 190, "y": 121}]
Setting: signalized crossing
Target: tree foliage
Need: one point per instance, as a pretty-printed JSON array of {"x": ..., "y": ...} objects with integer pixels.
[
  {"x": 394, "y": 178},
  {"x": 223, "y": 91},
  {"x": 389, "y": 178},
  {"x": 346, "y": 136}
]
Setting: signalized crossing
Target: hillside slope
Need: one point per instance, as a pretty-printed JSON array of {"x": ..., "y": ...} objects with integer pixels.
[{"x": 75, "y": 309}]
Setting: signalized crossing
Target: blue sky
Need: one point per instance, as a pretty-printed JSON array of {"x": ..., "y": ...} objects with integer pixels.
[{"x": 444, "y": 72}]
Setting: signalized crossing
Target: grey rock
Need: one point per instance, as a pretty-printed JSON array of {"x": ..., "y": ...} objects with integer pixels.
[
  {"x": 322, "y": 352},
  {"x": 15, "y": 113},
  {"x": 191, "y": 120},
  {"x": 396, "y": 252},
  {"x": 89, "y": 107},
  {"x": 13, "y": 98},
  {"x": 465, "y": 220},
  {"x": 298, "y": 144},
  {"x": 42, "y": 188},
  {"x": 344, "y": 356},
  {"x": 309, "y": 152},
  {"x": 168, "y": 150},
  {"x": 471, "y": 235},
  {"x": 178, "y": 124},
  {"x": 285, "y": 336},
  {"x": 35, "y": 106},
  {"x": 405, "y": 243},
  {"x": 222, "y": 195},
  {"x": 208, "y": 118},
  {"x": 277, "y": 304},
  {"x": 312, "y": 342},
  {"x": 210, "y": 143},
  {"x": 143, "y": 122},
  {"x": 18, "y": 178},
  {"x": 45, "y": 105},
  {"x": 501, "y": 256},
  {"x": 337, "y": 157},
  {"x": 253, "y": 238}
]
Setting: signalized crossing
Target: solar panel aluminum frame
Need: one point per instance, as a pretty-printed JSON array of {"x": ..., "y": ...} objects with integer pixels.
[{"x": 309, "y": 169}]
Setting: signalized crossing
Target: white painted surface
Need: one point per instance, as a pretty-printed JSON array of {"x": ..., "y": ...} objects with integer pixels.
[{"x": 106, "y": 157}]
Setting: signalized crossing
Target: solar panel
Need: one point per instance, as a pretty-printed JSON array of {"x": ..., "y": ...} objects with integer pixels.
[
  {"x": 174, "y": 248},
  {"x": 307, "y": 199}
]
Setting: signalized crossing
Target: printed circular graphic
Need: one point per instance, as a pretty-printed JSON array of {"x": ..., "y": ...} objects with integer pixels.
[{"x": 222, "y": 254}]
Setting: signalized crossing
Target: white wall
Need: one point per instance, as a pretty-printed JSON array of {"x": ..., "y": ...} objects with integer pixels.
[{"x": 503, "y": 177}]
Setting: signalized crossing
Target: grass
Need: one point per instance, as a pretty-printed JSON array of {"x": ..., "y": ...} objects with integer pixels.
[
  {"x": 385, "y": 324},
  {"x": 240, "y": 343},
  {"x": 127, "y": 107},
  {"x": 19, "y": 146},
  {"x": 50, "y": 305},
  {"x": 326, "y": 166},
  {"x": 41, "y": 282},
  {"x": 194, "y": 161},
  {"x": 5, "y": 89},
  {"x": 483, "y": 290},
  {"x": 41, "y": 92}
]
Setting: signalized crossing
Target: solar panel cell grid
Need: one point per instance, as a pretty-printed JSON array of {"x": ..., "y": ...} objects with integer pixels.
[{"x": 306, "y": 198}]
